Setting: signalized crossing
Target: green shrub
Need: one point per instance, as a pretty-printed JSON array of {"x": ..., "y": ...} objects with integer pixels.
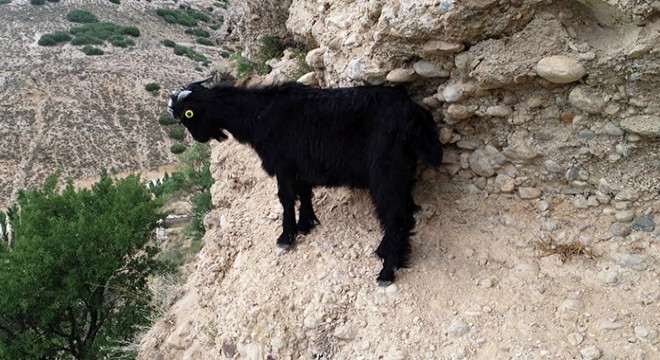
[
  {"x": 54, "y": 38},
  {"x": 115, "y": 1},
  {"x": 244, "y": 67},
  {"x": 205, "y": 41},
  {"x": 167, "y": 120},
  {"x": 198, "y": 32},
  {"x": 270, "y": 47},
  {"x": 2, "y": 2},
  {"x": 177, "y": 16},
  {"x": 177, "y": 133},
  {"x": 131, "y": 30},
  {"x": 81, "y": 16},
  {"x": 92, "y": 51},
  {"x": 189, "y": 53},
  {"x": 168, "y": 43},
  {"x": 177, "y": 148},
  {"x": 152, "y": 87},
  {"x": 223, "y": 4},
  {"x": 37, "y": 2},
  {"x": 86, "y": 39}
]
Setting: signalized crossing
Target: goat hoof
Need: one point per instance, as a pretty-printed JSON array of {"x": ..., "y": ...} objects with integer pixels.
[
  {"x": 385, "y": 283},
  {"x": 285, "y": 241},
  {"x": 284, "y": 246},
  {"x": 305, "y": 226}
]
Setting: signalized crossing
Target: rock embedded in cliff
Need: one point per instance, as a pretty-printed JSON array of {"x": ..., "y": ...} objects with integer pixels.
[
  {"x": 401, "y": 75},
  {"x": 314, "y": 58},
  {"x": 428, "y": 69},
  {"x": 309, "y": 79},
  {"x": 459, "y": 112},
  {"x": 645, "y": 125},
  {"x": 560, "y": 69},
  {"x": 586, "y": 99},
  {"x": 439, "y": 47},
  {"x": 457, "y": 92},
  {"x": 480, "y": 164}
]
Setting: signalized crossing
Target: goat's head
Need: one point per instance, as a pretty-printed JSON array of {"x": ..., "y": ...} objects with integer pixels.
[{"x": 189, "y": 105}]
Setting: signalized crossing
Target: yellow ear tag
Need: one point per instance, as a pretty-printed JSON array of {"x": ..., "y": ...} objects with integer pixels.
[{"x": 188, "y": 114}]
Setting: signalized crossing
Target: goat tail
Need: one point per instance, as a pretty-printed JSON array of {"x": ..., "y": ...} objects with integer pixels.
[{"x": 425, "y": 137}]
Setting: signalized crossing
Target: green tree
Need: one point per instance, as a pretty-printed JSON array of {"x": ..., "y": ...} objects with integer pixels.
[{"x": 75, "y": 281}]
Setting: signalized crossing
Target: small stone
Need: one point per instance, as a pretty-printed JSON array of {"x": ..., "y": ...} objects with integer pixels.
[
  {"x": 590, "y": 353},
  {"x": 560, "y": 69},
  {"x": 508, "y": 220},
  {"x": 432, "y": 102},
  {"x": 459, "y": 112},
  {"x": 575, "y": 338},
  {"x": 610, "y": 325},
  {"x": 498, "y": 111},
  {"x": 401, "y": 75},
  {"x": 457, "y": 92},
  {"x": 486, "y": 283},
  {"x": 567, "y": 117},
  {"x": 314, "y": 58},
  {"x": 542, "y": 206},
  {"x": 536, "y": 101},
  {"x": 552, "y": 166},
  {"x": 628, "y": 194},
  {"x": 643, "y": 223},
  {"x": 618, "y": 229},
  {"x": 480, "y": 164},
  {"x": 439, "y": 47},
  {"x": 624, "y": 215},
  {"x": 312, "y": 321},
  {"x": 586, "y": 99},
  {"x": 580, "y": 202},
  {"x": 309, "y": 79},
  {"x": 505, "y": 183},
  {"x": 609, "y": 277},
  {"x": 458, "y": 328},
  {"x": 645, "y": 125},
  {"x": 529, "y": 193},
  {"x": 633, "y": 261},
  {"x": 642, "y": 332},
  {"x": 446, "y": 134},
  {"x": 344, "y": 332},
  {"x": 612, "y": 130},
  {"x": 587, "y": 134},
  {"x": 521, "y": 152},
  {"x": 428, "y": 69}
]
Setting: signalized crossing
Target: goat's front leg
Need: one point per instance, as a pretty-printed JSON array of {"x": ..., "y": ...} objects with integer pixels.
[
  {"x": 307, "y": 219},
  {"x": 287, "y": 195}
]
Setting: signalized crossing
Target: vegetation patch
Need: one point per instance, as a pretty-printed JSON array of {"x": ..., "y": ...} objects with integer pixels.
[
  {"x": 54, "y": 38},
  {"x": 177, "y": 133},
  {"x": 564, "y": 250},
  {"x": 204, "y": 41},
  {"x": 187, "y": 17},
  {"x": 198, "y": 32},
  {"x": 168, "y": 43},
  {"x": 167, "y": 120},
  {"x": 81, "y": 16},
  {"x": 2, "y": 2},
  {"x": 177, "y": 148},
  {"x": 152, "y": 87},
  {"x": 85, "y": 256},
  {"x": 190, "y": 53},
  {"x": 92, "y": 51}
]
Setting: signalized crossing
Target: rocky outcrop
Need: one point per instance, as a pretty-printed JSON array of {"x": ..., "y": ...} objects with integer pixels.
[{"x": 549, "y": 115}]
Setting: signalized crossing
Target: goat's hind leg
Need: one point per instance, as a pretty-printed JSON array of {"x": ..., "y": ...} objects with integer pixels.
[
  {"x": 396, "y": 218},
  {"x": 287, "y": 196},
  {"x": 307, "y": 219}
]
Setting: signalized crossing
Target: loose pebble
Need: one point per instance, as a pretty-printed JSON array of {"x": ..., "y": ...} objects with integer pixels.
[
  {"x": 590, "y": 353},
  {"x": 618, "y": 229},
  {"x": 457, "y": 328}
]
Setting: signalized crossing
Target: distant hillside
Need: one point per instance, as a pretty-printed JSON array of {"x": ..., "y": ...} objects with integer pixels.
[{"x": 62, "y": 108}]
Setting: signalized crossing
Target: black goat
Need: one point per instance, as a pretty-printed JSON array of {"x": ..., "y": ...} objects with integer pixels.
[{"x": 363, "y": 137}]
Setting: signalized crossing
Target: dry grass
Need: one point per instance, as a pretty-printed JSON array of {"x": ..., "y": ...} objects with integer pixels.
[{"x": 564, "y": 250}]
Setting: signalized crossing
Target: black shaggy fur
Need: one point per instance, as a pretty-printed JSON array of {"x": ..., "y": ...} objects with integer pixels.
[{"x": 363, "y": 137}]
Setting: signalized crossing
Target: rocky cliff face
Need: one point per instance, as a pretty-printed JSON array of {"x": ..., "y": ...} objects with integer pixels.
[{"x": 550, "y": 116}]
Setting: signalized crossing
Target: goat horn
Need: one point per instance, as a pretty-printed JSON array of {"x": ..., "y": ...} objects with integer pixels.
[
  {"x": 200, "y": 81},
  {"x": 182, "y": 95}
]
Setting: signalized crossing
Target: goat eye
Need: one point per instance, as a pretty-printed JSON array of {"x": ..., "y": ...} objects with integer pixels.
[{"x": 188, "y": 114}]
